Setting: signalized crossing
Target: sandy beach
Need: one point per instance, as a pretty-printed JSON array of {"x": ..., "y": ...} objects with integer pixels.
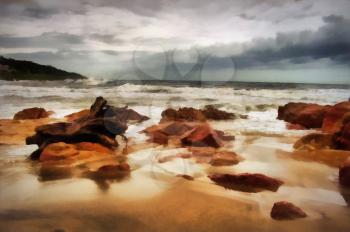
[{"x": 153, "y": 197}]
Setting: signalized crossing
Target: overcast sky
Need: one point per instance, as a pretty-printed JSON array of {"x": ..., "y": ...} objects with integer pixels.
[{"x": 248, "y": 40}]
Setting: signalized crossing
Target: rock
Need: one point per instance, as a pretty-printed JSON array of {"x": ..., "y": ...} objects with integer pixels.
[
  {"x": 291, "y": 126},
  {"x": 32, "y": 113},
  {"x": 191, "y": 114},
  {"x": 212, "y": 113},
  {"x": 305, "y": 114},
  {"x": 74, "y": 116},
  {"x": 335, "y": 117},
  {"x": 187, "y": 114},
  {"x": 186, "y": 177},
  {"x": 344, "y": 174},
  {"x": 159, "y": 138},
  {"x": 315, "y": 141},
  {"x": 124, "y": 114},
  {"x": 177, "y": 129},
  {"x": 286, "y": 211},
  {"x": 58, "y": 151},
  {"x": 341, "y": 139},
  {"x": 63, "y": 151},
  {"x": 224, "y": 158},
  {"x": 94, "y": 128},
  {"x": 246, "y": 182},
  {"x": 202, "y": 136},
  {"x": 188, "y": 134}
]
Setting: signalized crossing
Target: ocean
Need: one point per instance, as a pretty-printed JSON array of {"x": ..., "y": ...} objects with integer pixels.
[{"x": 259, "y": 101}]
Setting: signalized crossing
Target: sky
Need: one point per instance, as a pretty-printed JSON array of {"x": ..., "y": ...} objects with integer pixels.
[{"x": 302, "y": 41}]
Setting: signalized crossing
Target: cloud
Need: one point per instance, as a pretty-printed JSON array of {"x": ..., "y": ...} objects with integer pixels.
[
  {"x": 46, "y": 40},
  {"x": 331, "y": 41}
]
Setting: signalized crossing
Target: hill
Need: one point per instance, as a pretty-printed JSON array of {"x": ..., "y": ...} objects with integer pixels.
[{"x": 11, "y": 69}]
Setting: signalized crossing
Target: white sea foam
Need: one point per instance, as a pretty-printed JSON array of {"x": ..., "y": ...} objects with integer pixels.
[{"x": 260, "y": 104}]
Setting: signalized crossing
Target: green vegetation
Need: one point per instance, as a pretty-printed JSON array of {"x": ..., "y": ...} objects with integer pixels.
[{"x": 11, "y": 69}]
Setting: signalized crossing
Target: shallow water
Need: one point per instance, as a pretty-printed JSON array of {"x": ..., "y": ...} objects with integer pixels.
[{"x": 152, "y": 197}]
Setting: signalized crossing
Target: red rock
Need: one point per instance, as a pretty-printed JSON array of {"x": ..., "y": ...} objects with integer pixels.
[
  {"x": 213, "y": 113},
  {"x": 32, "y": 113},
  {"x": 315, "y": 141},
  {"x": 246, "y": 182},
  {"x": 110, "y": 171},
  {"x": 176, "y": 128},
  {"x": 341, "y": 139},
  {"x": 192, "y": 114},
  {"x": 58, "y": 151},
  {"x": 305, "y": 114},
  {"x": 94, "y": 128},
  {"x": 74, "y": 116},
  {"x": 202, "y": 136},
  {"x": 291, "y": 126},
  {"x": 224, "y": 158},
  {"x": 87, "y": 146},
  {"x": 183, "y": 114},
  {"x": 335, "y": 116},
  {"x": 286, "y": 211},
  {"x": 158, "y": 137},
  {"x": 344, "y": 174},
  {"x": 186, "y": 177}
]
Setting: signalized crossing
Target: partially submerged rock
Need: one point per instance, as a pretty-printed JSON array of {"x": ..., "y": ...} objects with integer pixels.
[
  {"x": 286, "y": 211},
  {"x": 341, "y": 139},
  {"x": 192, "y": 114},
  {"x": 183, "y": 114},
  {"x": 188, "y": 134},
  {"x": 344, "y": 174},
  {"x": 305, "y": 114},
  {"x": 335, "y": 117},
  {"x": 202, "y": 136},
  {"x": 213, "y": 113},
  {"x": 100, "y": 125},
  {"x": 315, "y": 141},
  {"x": 32, "y": 113},
  {"x": 246, "y": 182}
]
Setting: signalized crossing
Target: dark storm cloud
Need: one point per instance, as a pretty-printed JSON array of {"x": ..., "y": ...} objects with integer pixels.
[
  {"x": 331, "y": 41},
  {"x": 45, "y": 40}
]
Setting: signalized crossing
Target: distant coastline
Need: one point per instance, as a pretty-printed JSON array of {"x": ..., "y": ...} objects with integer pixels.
[{"x": 11, "y": 69}]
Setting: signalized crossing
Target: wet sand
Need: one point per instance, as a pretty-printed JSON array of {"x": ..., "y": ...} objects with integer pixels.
[{"x": 153, "y": 198}]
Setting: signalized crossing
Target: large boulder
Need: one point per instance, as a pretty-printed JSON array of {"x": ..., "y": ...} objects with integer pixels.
[
  {"x": 344, "y": 174},
  {"x": 94, "y": 127},
  {"x": 32, "y": 113},
  {"x": 335, "y": 117},
  {"x": 286, "y": 211},
  {"x": 246, "y": 182},
  {"x": 305, "y": 114}
]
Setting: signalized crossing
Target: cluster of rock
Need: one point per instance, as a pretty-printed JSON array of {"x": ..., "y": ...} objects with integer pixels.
[
  {"x": 100, "y": 125},
  {"x": 332, "y": 120},
  {"x": 202, "y": 141}
]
